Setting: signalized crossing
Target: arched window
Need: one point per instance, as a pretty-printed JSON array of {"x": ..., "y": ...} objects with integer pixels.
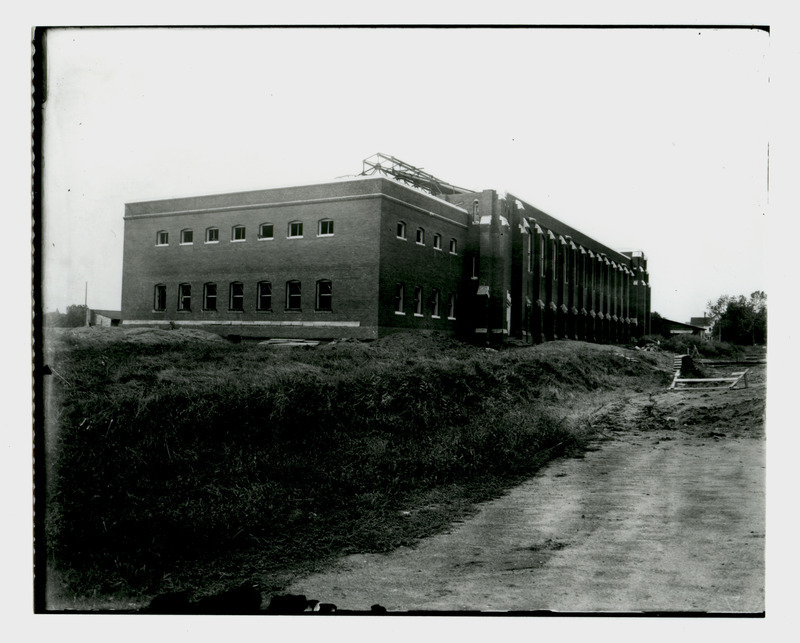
[
  {"x": 293, "y": 295},
  {"x": 266, "y": 231},
  {"x": 184, "y": 297},
  {"x": 437, "y": 242},
  {"x": 401, "y": 230},
  {"x": 162, "y": 238},
  {"x": 451, "y": 314},
  {"x": 324, "y": 296},
  {"x": 212, "y": 235},
  {"x": 264, "y": 296},
  {"x": 236, "y": 299},
  {"x": 421, "y": 236},
  {"x": 399, "y": 299},
  {"x": 295, "y": 230},
  {"x": 160, "y": 297},
  {"x": 418, "y": 301},
  {"x": 325, "y": 228},
  {"x": 210, "y": 297},
  {"x": 453, "y": 247},
  {"x": 187, "y": 237},
  {"x": 238, "y": 233},
  {"x": 435, "y": 303}
]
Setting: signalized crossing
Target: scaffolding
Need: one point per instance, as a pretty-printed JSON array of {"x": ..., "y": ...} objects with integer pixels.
[{"x": 405, "y": 173}]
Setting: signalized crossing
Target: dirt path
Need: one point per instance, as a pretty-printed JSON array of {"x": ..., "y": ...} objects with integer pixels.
[{"x": 665, "y": 512}]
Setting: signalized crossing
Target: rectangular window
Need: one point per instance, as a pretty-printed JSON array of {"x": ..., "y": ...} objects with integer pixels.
[
  {"x": 187, "y": 237},
  {"x": 210, "y": 297},
  {"x": 293, "y": 296},
  {"x": 401, "y": 230},
  {"x": 184, "y": 297},
  {"x": 264, "y": 296},
  {"x": 238, "y": 233},
  {"x": 324, "y": 295},
  {"x": 212, "y": 235},
  {"x": 160, "y": 297},
  {"x": 296, "y": 230},
  {"x": 530, "y": 253},
  {"x": 325, "y": 228},
  {"x": 453, "y": 247},
  {"x": 541, "y": 256},
  {"x": 162, "y": 238},
  {"x": 437, "y": 242},
  {"x": 237, "y": 296},
  {"x": 418, "y": 301},
  {"x": 421, "y": 236},
  {"x": 399, "y": 299},
  {"x": 435, "y": 302},
  {"x": 474, "y": 267},
  {"x": 265, "y": 231},
  {"x": 452, "y": 308}
]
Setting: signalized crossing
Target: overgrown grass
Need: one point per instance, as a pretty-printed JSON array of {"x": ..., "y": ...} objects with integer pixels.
[{"x": 237, "y": 462}]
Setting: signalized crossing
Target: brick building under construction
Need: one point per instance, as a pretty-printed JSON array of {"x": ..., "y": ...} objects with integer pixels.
[{"x": 392, "y": 249}]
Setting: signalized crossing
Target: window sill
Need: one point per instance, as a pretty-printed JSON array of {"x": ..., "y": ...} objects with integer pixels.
[
  {"x": 402, "y": 239},
  {"x": 294, "y": 237},
  {"x": 265, "y": 238},
  {"x": 418, "y": 315},
  {"x": 323, "y": 311},
  {"x": 397, "y": 312},
  {"x": 420, "y": 244},
  {"x": 435, "y": 317},
  {"x": 210, "y": 243},
  {"x": 238, "y": 240},
  {"x": 162, "y": 245},
  {"x": 235, "y": 310},
  {"x": 184, "y": 311},
  {"x": 451, "y": 319},
  {"x": 292, "y": 310},
  {"x": 208, "y": 310},
  {"x": 455, "y": 254},
  {"x": 188, "y": 243},
  {"x": 324, "y": 235},
  {"x": 437, "y": 249}
]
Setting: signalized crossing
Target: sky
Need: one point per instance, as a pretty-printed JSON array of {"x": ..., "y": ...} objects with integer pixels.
[{"x": 646, "y": 139}]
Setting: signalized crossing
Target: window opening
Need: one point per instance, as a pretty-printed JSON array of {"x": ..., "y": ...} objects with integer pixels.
[
  {"x": 187, "y": 237},
  {"x": 325, "y": 228},
  {"x": 264, "y": 296},
  {"x": 324, "y": 295},
  {"x": 212, "y": 235},
  {"x": 238, "y": 233},
  {"x": 210, "y": 297},
  {"x": 162, "y": 238},
  {"x": 237, "y": 296},
  {"x": 296, "y": 230},
  {"x": 160, "y": 297},
  {"x": 418, "y": 301},
  {"x": 265, "y": 231},
  {"x": 399, "y": 298},
  {"x": 293, "y": 295},
  {"x": 184, "y": 297},
  {"x": 401, "y": 230}
]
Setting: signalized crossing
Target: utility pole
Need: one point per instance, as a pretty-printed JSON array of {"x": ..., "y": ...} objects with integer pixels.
[{"x": 86, "y": 303}]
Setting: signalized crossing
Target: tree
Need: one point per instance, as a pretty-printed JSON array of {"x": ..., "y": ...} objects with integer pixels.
[
  {"x": 740, "y": 320},
  {"x": 75, "y": 316}
]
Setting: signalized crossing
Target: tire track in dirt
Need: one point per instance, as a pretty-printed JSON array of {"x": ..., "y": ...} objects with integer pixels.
[{"x": 658, "y": 515}]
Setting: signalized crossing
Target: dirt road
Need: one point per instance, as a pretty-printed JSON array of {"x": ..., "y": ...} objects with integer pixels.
[{"x": 664, "y": 512}]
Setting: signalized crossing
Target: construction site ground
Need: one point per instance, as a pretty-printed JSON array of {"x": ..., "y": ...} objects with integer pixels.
[{"x": 664, "y": 512}]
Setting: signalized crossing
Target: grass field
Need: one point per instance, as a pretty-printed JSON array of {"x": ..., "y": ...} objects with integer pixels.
[{"x": 179, "y": 461}]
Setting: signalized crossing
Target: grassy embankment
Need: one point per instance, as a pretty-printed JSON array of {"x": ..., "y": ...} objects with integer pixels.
[{"x": 200, "y": 465}]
